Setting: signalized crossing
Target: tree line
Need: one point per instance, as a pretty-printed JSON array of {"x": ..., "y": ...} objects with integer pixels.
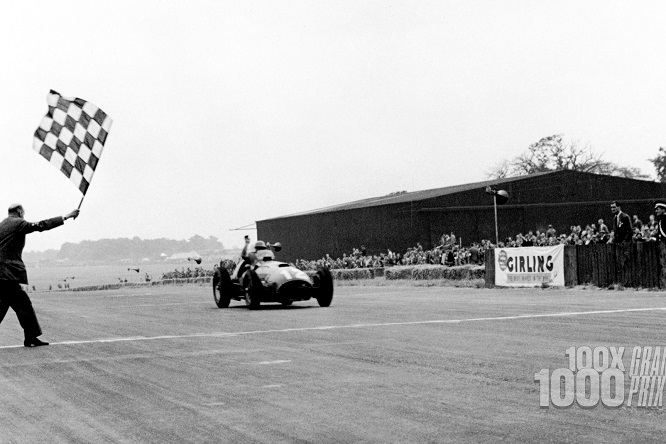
[
  {"x": 554, "y": 153},
  {"x": 124, "y": 248}
]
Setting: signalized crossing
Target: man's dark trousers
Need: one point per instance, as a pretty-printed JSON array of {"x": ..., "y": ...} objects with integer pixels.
[{"x": 12, "y": 295}]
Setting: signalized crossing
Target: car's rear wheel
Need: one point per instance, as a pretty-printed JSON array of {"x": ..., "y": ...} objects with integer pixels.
[
  {"x": 222, "y": 288},
  {"x": 323, "y": 283},
  {"x": 253, "y": 289}
]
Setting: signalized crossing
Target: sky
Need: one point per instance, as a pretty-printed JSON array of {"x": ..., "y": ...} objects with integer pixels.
[{"x": 227, "y": 112}]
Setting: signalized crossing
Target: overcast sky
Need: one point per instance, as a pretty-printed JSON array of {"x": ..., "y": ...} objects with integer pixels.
[{"x": 228, "y": 112}]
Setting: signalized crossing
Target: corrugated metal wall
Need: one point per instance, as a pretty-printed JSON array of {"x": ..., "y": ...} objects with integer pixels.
[{"x": 563, "y": 199}]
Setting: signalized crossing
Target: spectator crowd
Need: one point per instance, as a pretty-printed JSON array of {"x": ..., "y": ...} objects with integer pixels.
[
  {"x": 450, "y": 253},
  {"x": 187, "y": 273}
]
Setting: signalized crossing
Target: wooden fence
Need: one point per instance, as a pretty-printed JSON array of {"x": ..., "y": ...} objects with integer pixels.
[{"x": 604, "y": 265}]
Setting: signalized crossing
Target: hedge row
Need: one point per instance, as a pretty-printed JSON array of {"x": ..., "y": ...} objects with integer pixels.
[
  {"x": 197, "y": 280},
  {"x": 428, "y": 272},
  {"x": 416, "y": 272},
  {"x": 411, "y": 272},
  {"x": 355, "y": 273}
]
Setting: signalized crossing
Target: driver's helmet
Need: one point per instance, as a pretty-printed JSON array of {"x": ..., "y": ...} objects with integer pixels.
[{"x": 259, "y": 245}]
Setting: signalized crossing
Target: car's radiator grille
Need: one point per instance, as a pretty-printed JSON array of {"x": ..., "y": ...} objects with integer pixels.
[{"x": 296, "y": 289}]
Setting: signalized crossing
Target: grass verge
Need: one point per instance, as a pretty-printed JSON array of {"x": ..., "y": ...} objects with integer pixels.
[{"x": 383, "y": 282}]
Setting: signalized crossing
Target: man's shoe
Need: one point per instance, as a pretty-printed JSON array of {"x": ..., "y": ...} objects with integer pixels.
[{"x": 34, "y": 342}]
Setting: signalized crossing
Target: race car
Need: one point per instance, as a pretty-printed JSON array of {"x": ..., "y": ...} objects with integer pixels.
[{"x": 270, "y": 281}]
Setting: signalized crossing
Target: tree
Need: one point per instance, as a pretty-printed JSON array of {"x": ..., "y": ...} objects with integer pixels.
[
  {"x": 197, "y": 243},
  {"x": 500, "y": 170},
  {"x": 659, "y": 163},
  {"x": 552, "y": 153}
]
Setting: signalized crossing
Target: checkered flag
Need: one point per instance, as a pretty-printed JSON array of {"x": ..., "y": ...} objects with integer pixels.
[{"x": 71, "y": 137}]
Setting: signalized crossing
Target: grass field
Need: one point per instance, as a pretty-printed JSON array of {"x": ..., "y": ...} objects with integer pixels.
[
  {"x": 87, "y": 275},
  {"x": 382, "y": 364}
]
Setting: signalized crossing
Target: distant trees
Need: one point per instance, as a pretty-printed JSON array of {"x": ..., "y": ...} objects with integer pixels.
[
  {"x": 136, "y": 248},
  {"x": 197, "y": 243},
  {"x": 552, "y": 153},
  {"x": 659, "y": 163}
]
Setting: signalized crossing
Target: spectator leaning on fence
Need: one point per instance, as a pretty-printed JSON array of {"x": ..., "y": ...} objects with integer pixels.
[
  {"x": 603, "y": 229},
  {"x": 652, "y": 223},
  {"x": 660, "y": 209},
  {"x": 550, "y": 232},
  {"x": 621, "y": 224},
  {"x": 660, "y": 224}
]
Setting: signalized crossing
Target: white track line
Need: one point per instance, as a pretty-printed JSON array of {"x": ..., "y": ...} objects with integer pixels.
[
  {"x": 282, "y": 361},
  {"x": 170, "y": 303},
  {"x": 335, "y": 327}
]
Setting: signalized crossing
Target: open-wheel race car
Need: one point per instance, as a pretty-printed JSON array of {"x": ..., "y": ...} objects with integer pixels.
[{"x": 269, "y": 280}]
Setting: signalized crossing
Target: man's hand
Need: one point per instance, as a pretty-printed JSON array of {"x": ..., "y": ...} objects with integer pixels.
[{"x": 72, "y": 215}]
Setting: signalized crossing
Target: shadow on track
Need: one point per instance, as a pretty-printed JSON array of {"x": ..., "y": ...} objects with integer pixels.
[{"x": 267, "y": 307}]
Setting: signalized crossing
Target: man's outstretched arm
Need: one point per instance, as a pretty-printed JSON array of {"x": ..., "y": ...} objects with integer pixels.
[{"x": 48, "y": 224}]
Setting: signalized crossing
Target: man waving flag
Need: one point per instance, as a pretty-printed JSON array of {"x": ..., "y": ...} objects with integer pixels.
[{"x": 71, "y": 137}]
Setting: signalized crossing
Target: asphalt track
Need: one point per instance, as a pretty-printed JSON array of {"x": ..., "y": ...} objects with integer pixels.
[{"x": 382, "y": 364}]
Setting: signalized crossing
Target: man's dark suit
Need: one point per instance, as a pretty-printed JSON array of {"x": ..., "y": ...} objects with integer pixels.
[
  {"x": 661, "y": 238},
  {"x": 12, "y": 270},
  {"x": 622, "y": 228},
  {"x": 661, "y": 228}
]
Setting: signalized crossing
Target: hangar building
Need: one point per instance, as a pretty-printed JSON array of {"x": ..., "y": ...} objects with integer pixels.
[{"x": 400, "y": 220}]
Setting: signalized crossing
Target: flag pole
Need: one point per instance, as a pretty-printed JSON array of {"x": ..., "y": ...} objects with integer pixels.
[{"x": 79, "y": 207}]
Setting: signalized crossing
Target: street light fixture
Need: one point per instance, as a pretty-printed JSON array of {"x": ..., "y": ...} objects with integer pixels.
[{"x": 500, "y": 197}]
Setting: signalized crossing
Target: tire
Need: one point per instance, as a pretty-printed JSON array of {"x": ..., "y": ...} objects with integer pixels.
[
  {"x": 222, "y": 288},
  {"x": 253, "y": 289},
  {"x": 323, "y": 282}
]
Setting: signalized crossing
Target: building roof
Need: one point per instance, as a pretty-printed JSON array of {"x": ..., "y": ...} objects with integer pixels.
[{"x": 396, "y": 198}]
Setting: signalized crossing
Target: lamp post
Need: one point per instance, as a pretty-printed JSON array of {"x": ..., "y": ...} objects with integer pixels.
[{"x": 499, "y": 198}]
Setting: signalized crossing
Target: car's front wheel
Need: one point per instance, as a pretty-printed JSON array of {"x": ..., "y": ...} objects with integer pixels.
[
  {"x": 253, "y": 289},
  {"x": 222, "y": 288},
  {"x": 323, "y": 282}
]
